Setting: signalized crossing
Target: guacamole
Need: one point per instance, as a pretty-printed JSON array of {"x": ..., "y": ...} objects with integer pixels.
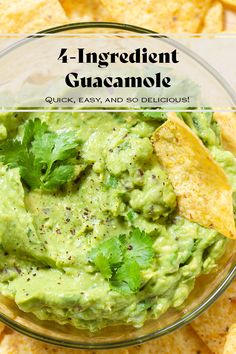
[{"x": 50, "y": 238}]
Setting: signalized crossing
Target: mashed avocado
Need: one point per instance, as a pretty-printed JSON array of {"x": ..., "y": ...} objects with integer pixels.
[{"x": 46, "y": 236}]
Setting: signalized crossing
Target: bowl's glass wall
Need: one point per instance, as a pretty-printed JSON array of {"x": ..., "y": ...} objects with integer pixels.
[{"x": 207, "y": 289}]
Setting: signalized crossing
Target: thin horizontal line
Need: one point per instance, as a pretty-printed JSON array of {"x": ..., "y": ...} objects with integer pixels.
[
  {"x": 117, "y": 110},
  {"x": 173, "y": 35}
]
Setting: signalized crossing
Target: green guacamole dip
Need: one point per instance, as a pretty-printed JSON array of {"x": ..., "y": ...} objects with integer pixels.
[{"x": 46, "y": 237}]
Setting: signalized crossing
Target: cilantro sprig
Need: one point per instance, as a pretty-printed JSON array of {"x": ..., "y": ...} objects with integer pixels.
[
  {"x": 120, "y": 259},
  {"x": 43, "y": 157}
]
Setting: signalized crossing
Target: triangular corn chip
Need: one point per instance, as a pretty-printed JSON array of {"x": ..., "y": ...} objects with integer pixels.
[
  {"x": 15, "y": 343},
  {"x": 85, "y": 10},
  {"x": 227, "y": 123},
  {"x": 229, "y": 2},
  {"x": 214, "y": 19},
  {"x": 213, "y": 325},
  {"x": 20, "y": 16},
  {"x": 230, "y": 345},
  {"x": 182, "y": 341},
  {"x": 172, "y": 16},
  {"x": 203, "y": 192}
]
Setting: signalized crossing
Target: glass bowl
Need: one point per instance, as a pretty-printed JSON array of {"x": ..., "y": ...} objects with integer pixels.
[{"x": 207, "y": 288}]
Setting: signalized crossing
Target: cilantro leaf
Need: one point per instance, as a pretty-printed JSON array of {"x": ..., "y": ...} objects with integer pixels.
[
  {"x": 42, "y": 148},
  {"x": 111, "y": 182},
  {"x": 111, "y": 249},
  {"x": 43, "y": 157},
  {"x": 51, "y": 147},
  {"x": 139, "y": 248},
  {"x": 121, "y": 259},
  {"x": 103, "y": 265},
  {"x": 14, "y": 154},
  {"x": 30, "y": 171},
  {"x": 11, "y": 152},
  {"x": 32, "y": 129},
  {"x": 65, "y": 146},
  {"x": 127, "y": 278},
  {"x": 59, "y": 176},
  {"x": 155, "y": 115},
  {"x": 131, "y": 215}
]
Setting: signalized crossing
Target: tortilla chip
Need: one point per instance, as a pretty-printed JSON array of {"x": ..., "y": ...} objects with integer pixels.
[
  {"x": 185, "y": 340},
  {"x": 16, "y": 343},
  {"x": 230, "y": 344},
  {"x": 229, "y": 2},
  {"x": 85, "y": 10},
  {"x": 230, "y": 21},
  {"x": 213, "y": 325},
  {"x": 203, "y": 192},
  {"x": 2, "y": 327},
  {"x": 227, "y": 123},
  {"x": 213, "y": 22},
  {"x": 182, "y": 341},
  {"x": 20, "y": 16},
  {"x": 162, "y": 16}
]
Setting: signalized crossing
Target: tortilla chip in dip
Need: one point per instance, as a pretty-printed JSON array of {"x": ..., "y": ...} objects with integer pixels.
[
  {"x": 203, "y": 192},
  {"x": 213, "y": 22},
  {"x": 227, "y": 123}
]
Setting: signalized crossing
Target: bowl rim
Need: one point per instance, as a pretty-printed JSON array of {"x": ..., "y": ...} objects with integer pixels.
[
  {"x": 210, "y": 299},
  {"x": 130, "y": 342}
]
